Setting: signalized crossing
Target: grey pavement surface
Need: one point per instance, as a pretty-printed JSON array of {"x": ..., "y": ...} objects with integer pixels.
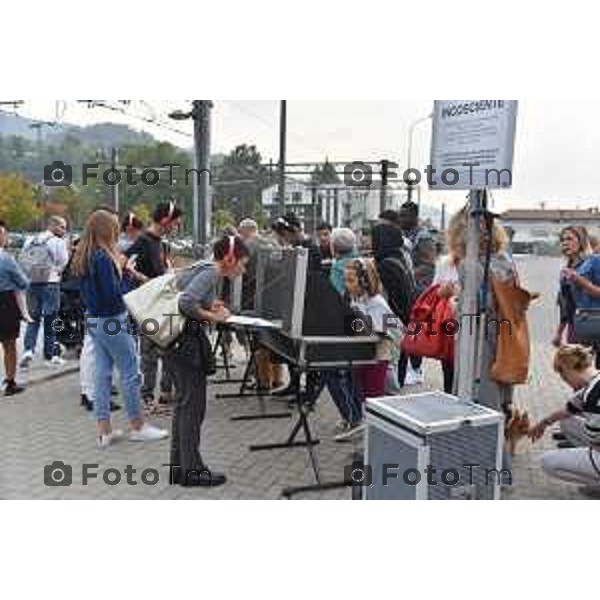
[{"x": 46, "y": 424}]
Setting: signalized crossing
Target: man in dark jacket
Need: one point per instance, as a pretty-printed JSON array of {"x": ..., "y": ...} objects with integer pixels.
[
  {"x": 150, "y": 261},
  {"x": 423, "y": 253},
  {"x": 288, "y": 230}
]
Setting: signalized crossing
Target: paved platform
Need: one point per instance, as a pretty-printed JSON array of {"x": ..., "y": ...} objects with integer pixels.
[{"x": 46, "y": 424}]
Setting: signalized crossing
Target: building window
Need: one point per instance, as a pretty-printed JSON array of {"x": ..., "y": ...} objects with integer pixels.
[{"x": 297, "y": 197}]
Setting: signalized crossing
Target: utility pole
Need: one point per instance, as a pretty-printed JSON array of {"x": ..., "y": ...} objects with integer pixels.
[
  {"x": 386, "y": 175},
  {"x": 201, "y": 114},
  {"x": 282, "y": 156},
  {"x": 114, "y": 159},
  {"x": 410, "y": 149}
]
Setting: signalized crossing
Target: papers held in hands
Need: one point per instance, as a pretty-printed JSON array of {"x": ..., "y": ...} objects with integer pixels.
[{"x": 254, "y": 322}]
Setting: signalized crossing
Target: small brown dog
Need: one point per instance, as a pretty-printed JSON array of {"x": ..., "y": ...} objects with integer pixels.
[{"x": 517, "y": 428}]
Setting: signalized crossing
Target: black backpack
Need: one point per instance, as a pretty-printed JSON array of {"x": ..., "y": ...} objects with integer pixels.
[{"x": 398, "y": 282}]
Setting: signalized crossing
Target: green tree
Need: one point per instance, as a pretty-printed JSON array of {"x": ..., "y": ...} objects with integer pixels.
[
  {"x": 156, "y": 155},
  {"x": 325, "y": 175},
  {"x": 222, "y": 218},
  {"x": 71, "y": 199},
  {"x": 143, "y": 213},
  {"x": 18, "y": 206},
  {"x": 240, "y": 181}
]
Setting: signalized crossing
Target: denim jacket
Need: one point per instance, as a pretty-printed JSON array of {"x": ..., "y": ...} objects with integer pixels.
[{"x": 12, "y": 277}]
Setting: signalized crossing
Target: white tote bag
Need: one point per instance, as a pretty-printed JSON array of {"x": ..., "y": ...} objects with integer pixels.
[{"x": 155, "y": 308}]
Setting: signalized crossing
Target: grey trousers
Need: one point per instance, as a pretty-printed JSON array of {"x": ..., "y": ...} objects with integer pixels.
[
  {"x": 190, "y": 408},
  {"x": 574, "y": 430},
  {"x": 150, "y": 355},
  {"x": 574, "y": 465}
]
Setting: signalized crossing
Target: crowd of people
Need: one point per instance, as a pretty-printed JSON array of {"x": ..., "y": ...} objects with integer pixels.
[{"x": 390, "y": 275}]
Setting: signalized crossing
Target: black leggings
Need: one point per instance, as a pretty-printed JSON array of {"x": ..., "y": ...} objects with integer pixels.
[{"x": 448, "y": 371}]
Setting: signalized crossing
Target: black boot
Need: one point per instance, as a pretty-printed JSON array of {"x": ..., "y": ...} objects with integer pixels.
[
  {"x": 201, "y": 477},
  {"x": 12, "y": 389},
  {"x": 86, "y": 403}
]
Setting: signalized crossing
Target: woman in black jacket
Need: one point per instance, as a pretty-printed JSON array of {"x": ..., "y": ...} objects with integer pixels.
[{"x": 394, "y": 266}]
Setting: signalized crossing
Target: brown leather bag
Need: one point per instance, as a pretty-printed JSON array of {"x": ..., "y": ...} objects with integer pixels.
[{"x": 511, "y": 363}]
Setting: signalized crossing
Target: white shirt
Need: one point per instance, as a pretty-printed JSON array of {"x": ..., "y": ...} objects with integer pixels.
[{"x": 445, "y": 271}]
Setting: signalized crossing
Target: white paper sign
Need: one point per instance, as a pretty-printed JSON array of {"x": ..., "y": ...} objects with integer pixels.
[{"x": 473, "y": 144}]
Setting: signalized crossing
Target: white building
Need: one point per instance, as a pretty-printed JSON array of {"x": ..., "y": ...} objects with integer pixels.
[{"x": 335, "y": 204}]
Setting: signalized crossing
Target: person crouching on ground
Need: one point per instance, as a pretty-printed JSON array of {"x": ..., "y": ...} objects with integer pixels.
[
  {"x": 97, "y": 263},
  {"x": 188, "y": 361},
  {"x": 578, "y": 462},
  {"x": 363, "y": 287},
  {"x": 575, "y": 365}
]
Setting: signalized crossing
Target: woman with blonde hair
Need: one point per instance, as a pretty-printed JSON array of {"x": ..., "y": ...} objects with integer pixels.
[
  {"x": 575, "y": 366},
  {"x": 98, "y": 263},
  {"x": 576, "y": 248},
  {"x": 496, "y": 395}
]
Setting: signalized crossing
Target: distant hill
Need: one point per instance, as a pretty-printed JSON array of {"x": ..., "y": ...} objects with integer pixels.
[
  {"x": 14, "y": 125},
  {"x": 103, "y": 135}
]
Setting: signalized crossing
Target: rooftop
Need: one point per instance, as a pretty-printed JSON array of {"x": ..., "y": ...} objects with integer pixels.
[{"x": 589, "y": 214}]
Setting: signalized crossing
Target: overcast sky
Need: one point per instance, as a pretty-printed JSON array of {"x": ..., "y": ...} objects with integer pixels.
[{"x": 555, "y": 155}]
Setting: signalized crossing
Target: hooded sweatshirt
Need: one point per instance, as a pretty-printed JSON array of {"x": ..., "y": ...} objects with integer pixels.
[{"x": 395, "y": 268}]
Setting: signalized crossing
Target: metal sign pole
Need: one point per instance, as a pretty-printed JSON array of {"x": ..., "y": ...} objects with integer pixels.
[{"x": 468, "y": 358}]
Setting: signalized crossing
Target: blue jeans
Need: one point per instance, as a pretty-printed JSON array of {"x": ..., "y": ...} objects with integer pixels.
[
  {"x": 115, "y": 346},
  {"x": 341, "y": 390},
  {"x": 43, "y": 302}
]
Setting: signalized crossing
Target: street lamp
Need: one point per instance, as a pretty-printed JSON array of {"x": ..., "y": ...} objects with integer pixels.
[
  {"x": 413, "y": 126},
  {"x": 179, "y": 115}
]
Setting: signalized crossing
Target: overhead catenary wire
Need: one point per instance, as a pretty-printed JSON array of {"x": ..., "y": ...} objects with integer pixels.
[
  {"x": 266, "y": 123},
  {"x": 128, "y": 113}
]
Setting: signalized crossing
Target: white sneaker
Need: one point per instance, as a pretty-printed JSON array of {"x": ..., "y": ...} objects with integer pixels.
[
  {"x": 104, "y": 441},
  {"x": 353, "y": 429},
  {"x": 148, "y": 433},
  {"x": 419, "y": 377},
  {"x": 56, "y": 361},
  {"x": 414, "y": 377},
  {"x": 340, "y": 427},
  {"x": 26, "y": 359}
]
